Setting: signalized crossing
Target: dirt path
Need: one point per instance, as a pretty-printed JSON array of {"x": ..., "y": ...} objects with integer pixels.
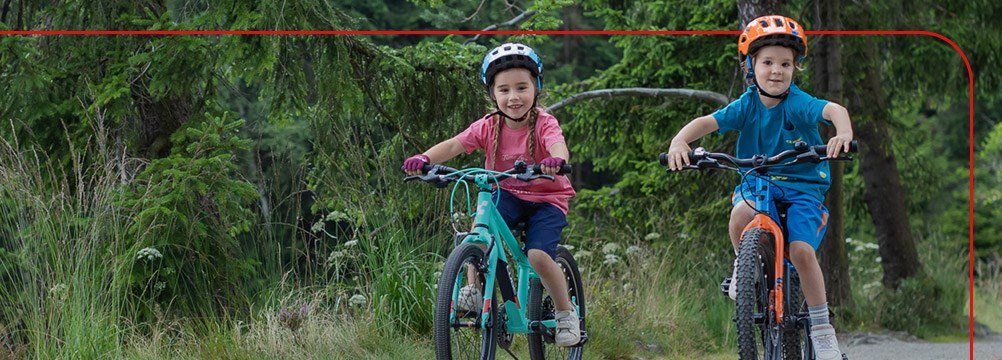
[{"x": 880, "y": 347}]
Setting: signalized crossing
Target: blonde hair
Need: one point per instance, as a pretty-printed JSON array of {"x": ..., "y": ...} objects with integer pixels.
[{"x": 498, "y": 125}]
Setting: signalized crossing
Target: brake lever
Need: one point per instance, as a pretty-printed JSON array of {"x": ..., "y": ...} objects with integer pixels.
[
  {"x": 707, "y": 163},
  {"x": 809, "y": 156},
  {"x": 440, "y": 181}
]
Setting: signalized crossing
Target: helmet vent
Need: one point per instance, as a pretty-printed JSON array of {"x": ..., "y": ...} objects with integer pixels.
[{"x": 779, "y": 22}]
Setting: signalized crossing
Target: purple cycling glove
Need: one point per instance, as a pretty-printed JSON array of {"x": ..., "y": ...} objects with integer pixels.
[
  {"x": 553, "y": 162},
  {"x": 416, "y": 162}
]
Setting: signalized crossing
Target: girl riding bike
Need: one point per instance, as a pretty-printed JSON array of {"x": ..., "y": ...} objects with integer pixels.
[
  {"x": 770, "y": 117},
  {"x": 518, "y": 130}
]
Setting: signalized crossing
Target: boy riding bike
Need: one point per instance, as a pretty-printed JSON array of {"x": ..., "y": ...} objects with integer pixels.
[
  {"x": 770, "y": 117},
  {"x": 518, "y": 130}
]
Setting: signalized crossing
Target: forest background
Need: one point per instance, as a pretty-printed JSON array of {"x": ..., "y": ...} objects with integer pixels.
[{"x": 240, "y": 196}]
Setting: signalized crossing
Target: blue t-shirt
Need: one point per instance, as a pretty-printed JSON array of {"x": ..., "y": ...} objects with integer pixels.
[{"x": 769, "y": 131}]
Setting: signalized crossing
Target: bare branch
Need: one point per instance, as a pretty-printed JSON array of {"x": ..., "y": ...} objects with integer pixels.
[
  {"x": 475, "y": 12},
  {"x": 507, "y": 24},
  {"x": 653, "y": 92}
]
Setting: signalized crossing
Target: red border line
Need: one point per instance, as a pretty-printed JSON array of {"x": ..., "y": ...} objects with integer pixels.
[
  {"x": 368, "y": 32},
  {"x": 970, "y": 76}
]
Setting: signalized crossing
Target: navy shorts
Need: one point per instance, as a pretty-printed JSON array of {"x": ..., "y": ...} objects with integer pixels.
[
  {"x": 806, "y": 219},
  {"x": 544, "y": 222}
]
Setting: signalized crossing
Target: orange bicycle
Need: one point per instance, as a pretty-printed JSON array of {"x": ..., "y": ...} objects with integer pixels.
[{"x": 765, "y": 293}]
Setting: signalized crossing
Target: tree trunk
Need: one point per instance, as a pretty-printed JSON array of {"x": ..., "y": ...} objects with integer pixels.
[
  {"x": 883, "y": 194},
  {"x": 827, "y": 62},
  {"x": 748, "y": 10}
]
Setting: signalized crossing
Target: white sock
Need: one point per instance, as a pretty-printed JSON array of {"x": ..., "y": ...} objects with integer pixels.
[{"x": 819, "y": 314}]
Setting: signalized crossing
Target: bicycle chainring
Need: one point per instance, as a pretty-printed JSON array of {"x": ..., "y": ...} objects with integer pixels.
[{"x": 505, "y": 338}]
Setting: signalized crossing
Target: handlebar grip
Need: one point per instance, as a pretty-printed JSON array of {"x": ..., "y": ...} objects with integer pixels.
[
  {"x": 694, "y": 156},
  {"x": 853, "y": 147},
  {"x": 564, "y": 169}
]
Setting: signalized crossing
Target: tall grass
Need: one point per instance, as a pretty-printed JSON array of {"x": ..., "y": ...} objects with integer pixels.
[
  {"x": 653, "y": 300},
  {"x": 929, "y": 304},
  {"x": 988, "y": 299},
  {"x": 57, "y": 224}
]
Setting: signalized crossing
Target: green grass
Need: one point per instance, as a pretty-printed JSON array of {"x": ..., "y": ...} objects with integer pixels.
[{"x": 988, "y": 294}]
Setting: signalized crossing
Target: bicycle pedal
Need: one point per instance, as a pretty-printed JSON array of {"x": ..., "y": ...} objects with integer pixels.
[{"x": 725, "y": 286}]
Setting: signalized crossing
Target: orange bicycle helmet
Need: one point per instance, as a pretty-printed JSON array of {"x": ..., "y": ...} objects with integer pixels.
[{"x": 772, "y": 30}]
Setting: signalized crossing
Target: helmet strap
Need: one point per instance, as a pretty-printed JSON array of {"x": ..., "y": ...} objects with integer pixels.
[{"x": 763, "y": 93}]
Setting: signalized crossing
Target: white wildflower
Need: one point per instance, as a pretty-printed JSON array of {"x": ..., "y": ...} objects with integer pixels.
[
  {"x": 58, "y": 291},
  {"x": 611, "y": 259},
  {"x": 149, "y": 254},
  {"x": 633, "y": 249},
  {"x": 652, "y": 236},
  {"x": 357, "y": 299},
  {"x": 610, "y": 248}
]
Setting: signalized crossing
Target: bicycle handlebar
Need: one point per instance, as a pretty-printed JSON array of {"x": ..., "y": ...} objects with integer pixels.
[
  {"x": 801, "y": 153},
  {"x": 441, "y": 175}
]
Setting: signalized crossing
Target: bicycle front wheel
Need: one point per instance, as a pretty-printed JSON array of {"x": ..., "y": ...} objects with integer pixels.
[
  {"x": 541, "y": 307},
  {"x": 459, "y": 333},
  {"x": 752, "y": 294},
  {"x": 794, "y": 337}
]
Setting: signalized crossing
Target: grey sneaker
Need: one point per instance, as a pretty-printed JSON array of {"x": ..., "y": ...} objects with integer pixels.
[
  {"x": 470, "y": 299},
  {"x": 732, "y": 289},
  {"x": 825, "y": 342},
  {"x": 568, "y": 328}
]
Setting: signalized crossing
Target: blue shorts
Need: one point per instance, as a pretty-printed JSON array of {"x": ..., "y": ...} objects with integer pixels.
[
  {"x": 806, "y": 219},
  {"x": 544, "y": 222}
]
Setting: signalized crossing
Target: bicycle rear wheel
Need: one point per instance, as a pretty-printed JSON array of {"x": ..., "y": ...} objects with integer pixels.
[
  {"x": 541, "y": 307},
  {"x": 458, "y": 332},
  {"x": 752, "y": 294}
]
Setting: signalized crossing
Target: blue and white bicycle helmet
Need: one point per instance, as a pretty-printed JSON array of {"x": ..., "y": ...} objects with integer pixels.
[{"x": 511, "y": 55}]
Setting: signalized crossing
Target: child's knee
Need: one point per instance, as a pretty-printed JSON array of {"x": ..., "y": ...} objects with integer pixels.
[
  {"x": 802, "y": 252},
  {"x": 742, "y": 214},
  {"x": 538, "y": 257}
]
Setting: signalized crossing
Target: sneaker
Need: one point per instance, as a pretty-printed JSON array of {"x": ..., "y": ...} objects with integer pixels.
[
  {"x": 732, "y": 288},
  {"x": 825, "y": 342},
  {"x": 568, "y": 328},
  {"x": 470, "y": 299}
]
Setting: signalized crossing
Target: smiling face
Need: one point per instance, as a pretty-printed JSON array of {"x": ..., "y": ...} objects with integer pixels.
[
  {"x": 774, "y": 66},
  {"x": 514, "y": 90}
]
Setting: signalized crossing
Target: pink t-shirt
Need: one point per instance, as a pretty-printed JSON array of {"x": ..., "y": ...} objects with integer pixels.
[{"x": 514, "y": 145}]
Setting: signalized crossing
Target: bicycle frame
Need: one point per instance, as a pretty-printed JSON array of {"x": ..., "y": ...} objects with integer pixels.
[
  {"x": 762, "y": 220},
  {"x": 490, "y": 229}
]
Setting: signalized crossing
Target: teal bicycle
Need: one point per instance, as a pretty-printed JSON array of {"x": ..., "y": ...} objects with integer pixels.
[{"x": 480, "y": 259}]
